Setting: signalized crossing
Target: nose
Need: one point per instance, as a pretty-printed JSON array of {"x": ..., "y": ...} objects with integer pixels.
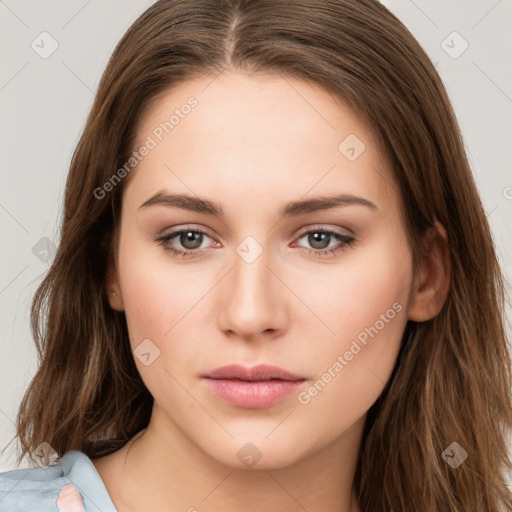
[{"x": 254, "y": 300}]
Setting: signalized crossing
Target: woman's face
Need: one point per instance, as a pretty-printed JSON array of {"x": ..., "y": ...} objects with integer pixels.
[{"x": 305, "y": 266}]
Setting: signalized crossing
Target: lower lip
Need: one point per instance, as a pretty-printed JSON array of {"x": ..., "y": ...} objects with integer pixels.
[{"x": 252, "y": 395}]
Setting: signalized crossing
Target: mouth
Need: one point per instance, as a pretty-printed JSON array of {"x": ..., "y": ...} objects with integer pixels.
[{"x": 257, "y": 387}]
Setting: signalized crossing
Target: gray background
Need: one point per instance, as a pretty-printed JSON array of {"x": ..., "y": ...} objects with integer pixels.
[{"x": 44, "y": 103}]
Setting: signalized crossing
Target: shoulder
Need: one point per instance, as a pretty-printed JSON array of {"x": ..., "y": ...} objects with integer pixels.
[{"x": 52, "y": 488}]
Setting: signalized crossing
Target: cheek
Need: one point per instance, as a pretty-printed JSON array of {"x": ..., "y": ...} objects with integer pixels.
[
  {"x": 350, "y": 296},
  {"x": 366, "y": 307},
  {"x": 162, "y": 304},
  {"x": 157, "y": 294}
]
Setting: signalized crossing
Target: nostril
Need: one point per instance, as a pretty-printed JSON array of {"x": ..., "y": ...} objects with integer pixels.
[{"x": 70, "y": 500}]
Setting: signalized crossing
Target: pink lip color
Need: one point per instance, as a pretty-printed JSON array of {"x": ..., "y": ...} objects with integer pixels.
[
  {"x": 252, "y": 388},
  {"x": 252, "y": 395}
]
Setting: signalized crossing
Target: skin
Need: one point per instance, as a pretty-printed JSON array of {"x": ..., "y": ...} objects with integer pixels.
[{"x": 252, "y": 144}]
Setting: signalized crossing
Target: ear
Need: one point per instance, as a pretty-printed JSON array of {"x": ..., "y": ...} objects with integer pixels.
[
  {"x": 115, "y": 298},
  {"x": 432, "y": 282}
]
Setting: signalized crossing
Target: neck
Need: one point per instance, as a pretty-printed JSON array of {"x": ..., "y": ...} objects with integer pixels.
[{"x": 161, "y": 470}]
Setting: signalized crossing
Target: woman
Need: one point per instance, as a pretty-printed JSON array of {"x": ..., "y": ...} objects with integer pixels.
[{"x": 276, "y": 286}]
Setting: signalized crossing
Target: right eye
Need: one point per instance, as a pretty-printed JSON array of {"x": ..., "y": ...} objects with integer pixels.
[{"x": 190, "y": 239}]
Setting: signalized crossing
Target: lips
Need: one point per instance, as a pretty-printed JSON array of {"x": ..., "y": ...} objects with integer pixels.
[
  {"x": 252, "y": 388},
  {"x": 261, "y": 372}
]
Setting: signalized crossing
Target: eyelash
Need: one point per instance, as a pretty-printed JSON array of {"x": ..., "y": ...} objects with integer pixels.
[{"x": 345, "y": 240}]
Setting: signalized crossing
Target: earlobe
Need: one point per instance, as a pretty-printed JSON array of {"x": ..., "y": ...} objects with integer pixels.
[
  {"x": 114, "y": 296},
  {"x": 432, "y": 283}
]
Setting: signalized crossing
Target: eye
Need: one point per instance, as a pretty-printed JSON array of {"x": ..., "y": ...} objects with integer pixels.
[
  {"x": 190, "y": 239},
  {"x": 321, "y": 240}
]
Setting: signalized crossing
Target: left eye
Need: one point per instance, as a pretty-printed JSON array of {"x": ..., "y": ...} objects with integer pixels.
[{"x": 319, "y": 239}]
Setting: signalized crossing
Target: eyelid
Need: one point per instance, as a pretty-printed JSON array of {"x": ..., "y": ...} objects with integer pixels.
[
  {"x": 175, "y": 230},
  {"x": 326, "y": 227}
]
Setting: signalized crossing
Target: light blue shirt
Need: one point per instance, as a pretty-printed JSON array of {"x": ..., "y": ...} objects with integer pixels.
[{"x": 37, "y": 489}]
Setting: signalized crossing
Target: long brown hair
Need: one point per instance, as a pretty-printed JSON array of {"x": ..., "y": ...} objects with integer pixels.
[{"x": 452, "y": 379}]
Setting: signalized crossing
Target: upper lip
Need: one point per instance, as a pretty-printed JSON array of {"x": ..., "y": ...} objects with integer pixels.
[{"x": 260, "y": 372}]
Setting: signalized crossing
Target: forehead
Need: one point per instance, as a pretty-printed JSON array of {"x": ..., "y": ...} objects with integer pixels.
[
  {"x": 256, "y": 136},
  {"x": 263, "y": 102}
]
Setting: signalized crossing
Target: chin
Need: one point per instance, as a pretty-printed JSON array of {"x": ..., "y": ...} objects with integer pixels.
[{"x": 260, "y": 454}]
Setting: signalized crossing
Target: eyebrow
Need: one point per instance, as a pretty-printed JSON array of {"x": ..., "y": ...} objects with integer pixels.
[{"x": 290, "y": 209}]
